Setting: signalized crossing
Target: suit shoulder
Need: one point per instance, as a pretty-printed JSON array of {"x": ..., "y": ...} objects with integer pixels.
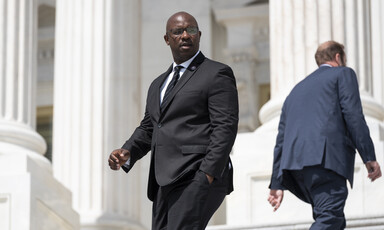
[
  {"x": 343, "y": 70},
  {"x": 157, "y": 81},
  {"x": 345, "y": 74},
  {"x": 162, "y": 76},
  {"x": 215, "y": 64},
  {"x": 214, "y": 68},
  {"x": 298, "y": 85}
]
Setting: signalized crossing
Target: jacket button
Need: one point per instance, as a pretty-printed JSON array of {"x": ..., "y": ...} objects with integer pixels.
[{"x": 159, "y": 125}]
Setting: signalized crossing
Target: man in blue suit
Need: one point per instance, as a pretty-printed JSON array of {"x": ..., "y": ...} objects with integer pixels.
[{"x": 321, "y": 125}]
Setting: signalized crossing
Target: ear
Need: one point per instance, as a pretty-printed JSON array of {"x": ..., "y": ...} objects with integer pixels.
[
  {"x": 338, "y": 59},
  {"x": 198, "y": 37},
  {"x": 166, "y": 39}
]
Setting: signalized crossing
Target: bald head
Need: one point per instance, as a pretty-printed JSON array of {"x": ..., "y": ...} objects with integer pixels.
[
  {"x": 330, "y": 52},
  {"x": 180, "y": 16}
]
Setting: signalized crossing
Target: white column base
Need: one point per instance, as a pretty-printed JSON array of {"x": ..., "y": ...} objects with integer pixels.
[
  {"x": 22, "y": 135},
  {"x": 30, "y": 198}
]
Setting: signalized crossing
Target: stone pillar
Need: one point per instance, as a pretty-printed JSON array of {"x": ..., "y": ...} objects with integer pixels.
[
  {"x": 377, "y": 37},
  {"x": 247, "y": 53},
  {"x": 296, "y": 29},
  {"x": 298, "y": 25},
  {"x": 97, "y": 105},
  {"x": 17, "y": 71},
  {"x": 30, "y": 198}
]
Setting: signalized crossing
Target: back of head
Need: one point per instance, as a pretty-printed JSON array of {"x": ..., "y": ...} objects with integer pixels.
[{"x": 327, "y": 51}]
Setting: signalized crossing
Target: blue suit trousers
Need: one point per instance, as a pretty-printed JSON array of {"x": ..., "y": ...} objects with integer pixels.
[{"x": 327, "y": 192}]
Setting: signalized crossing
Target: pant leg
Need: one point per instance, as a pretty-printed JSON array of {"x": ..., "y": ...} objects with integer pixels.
[
  {"x": 328, "y": 193},
  {"x": 159, "y": 211},
  {"x": 215, "y": 198},
  {"x": 298, "y": 186},
  {"x": 192, "y": 206},
  {"x": 188, "y": 205}
]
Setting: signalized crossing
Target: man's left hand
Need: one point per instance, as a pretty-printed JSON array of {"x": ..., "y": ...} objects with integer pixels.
[
  {"x": 210, "y": 178},
  {"x": 373, "y": 169}
]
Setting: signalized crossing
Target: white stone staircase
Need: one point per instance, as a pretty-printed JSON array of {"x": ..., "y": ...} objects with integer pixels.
[{"x": 372, "y": 223}]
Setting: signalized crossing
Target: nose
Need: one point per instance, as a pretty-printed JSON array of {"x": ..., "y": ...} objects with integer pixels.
[{"x": 185, "y": 34}]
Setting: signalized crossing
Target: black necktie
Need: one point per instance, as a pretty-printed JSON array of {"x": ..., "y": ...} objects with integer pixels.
[{"x": 171, "y": 85}]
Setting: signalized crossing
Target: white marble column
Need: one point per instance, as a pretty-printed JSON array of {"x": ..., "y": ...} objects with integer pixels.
[
  {"x": 97, "y": 105},
  {"x": 30, "y": 198},
  {"x": 18, "y": 78},
  {"x": 377, "y": 37},
  {"x": 297, "y": 27}
]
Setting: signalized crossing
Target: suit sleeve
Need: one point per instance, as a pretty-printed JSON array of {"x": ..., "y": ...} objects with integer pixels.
[
  {"x": 350, "y": 103},
  {"x": 223, "y": 113},
  {"x": 139, "y": 144},
  {"x": 275, "y": 182}
]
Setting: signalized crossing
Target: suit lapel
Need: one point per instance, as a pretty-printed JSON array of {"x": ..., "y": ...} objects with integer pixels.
[
  {"x": 185, "y": 78},
  {"x": 161, "y": 81}
]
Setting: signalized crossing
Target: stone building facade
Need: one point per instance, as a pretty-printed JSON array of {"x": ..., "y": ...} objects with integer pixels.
[{"x": 73, "y": 81}]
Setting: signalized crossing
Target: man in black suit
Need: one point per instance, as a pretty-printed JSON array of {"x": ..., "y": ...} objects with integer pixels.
[
  {"x": 321, "y": 125},
  {"x": 190, "y": 125}
]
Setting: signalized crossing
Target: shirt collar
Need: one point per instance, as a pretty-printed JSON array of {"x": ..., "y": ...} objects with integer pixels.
[
  {"x": 325, "y": 65},
  {"x": 186, "y": 63}
]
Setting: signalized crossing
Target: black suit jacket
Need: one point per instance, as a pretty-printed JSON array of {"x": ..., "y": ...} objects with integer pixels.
[
  {"x": 322, "y": 123},
  {"x": 196, "y": 129}
]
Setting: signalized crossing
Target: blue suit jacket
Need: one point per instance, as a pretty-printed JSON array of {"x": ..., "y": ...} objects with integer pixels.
[{"x": 322, "y": 123}]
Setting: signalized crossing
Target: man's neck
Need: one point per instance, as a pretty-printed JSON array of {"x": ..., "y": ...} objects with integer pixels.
[
  {"x": 186, "y": 62},
  {"x": 332, "y": 63}
]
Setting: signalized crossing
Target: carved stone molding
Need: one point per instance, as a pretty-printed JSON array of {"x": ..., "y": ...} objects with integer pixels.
[
  {"x": 247, "y": 35},
  {"x": 243, "y": 65}
]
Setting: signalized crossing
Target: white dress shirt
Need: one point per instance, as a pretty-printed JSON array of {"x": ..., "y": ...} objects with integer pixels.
[{"x": 169, "y": 78}]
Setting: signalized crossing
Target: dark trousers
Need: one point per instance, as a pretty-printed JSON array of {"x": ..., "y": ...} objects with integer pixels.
[
  {"x": 327, "y": 192},
  {"x": 187, "y": 205}
]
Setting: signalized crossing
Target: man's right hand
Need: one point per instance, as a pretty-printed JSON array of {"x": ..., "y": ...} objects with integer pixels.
[
  {"x": 118, "y": 158},
  {"x": 374, "y": 171},
  {"x": 275, "y": 198}
]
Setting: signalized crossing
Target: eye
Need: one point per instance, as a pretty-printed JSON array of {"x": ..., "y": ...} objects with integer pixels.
[
  {"x": 177, "y": 31},
  {"x": 192, "y": 30}
]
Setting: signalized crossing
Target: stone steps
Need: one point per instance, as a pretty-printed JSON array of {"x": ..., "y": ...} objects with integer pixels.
[{"x": 371, "y": 223}]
